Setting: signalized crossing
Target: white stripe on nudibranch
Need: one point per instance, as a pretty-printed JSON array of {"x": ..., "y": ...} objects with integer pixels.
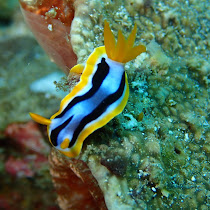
[
  {"x": 88, "y": 106},
  {"x": 101, "y": 94}
]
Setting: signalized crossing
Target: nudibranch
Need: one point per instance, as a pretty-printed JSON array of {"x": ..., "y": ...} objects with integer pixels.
[{"x": 100, "y": 95}]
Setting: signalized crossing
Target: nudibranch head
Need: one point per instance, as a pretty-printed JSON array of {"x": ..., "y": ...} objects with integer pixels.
[{"x": 101, "y": 94}]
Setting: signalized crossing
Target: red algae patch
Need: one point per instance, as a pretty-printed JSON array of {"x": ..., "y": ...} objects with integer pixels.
[
  {"x": 24, "y": 173},
  {"x": 50, "y": 22},
  {"x": 27, "y": 137},
  {"x": 75, "y": 185}
]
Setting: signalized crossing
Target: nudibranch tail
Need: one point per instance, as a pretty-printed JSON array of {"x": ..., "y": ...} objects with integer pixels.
[
  {"x": 122, "y": 51},
  {"x": 39, "y": 119}
]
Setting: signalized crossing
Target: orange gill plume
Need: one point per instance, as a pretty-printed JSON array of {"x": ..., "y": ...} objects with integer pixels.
[
  {"x": 124, "y": 50},
  {"x": 50, "y": 22}
]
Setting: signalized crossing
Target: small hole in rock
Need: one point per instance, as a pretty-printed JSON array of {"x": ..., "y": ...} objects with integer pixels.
[{"x": 177, "y": 151}]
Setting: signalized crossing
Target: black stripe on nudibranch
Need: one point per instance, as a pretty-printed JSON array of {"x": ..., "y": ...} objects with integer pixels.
[
  {"x": 99, "y": 76},
  {"x": 99, "y": 110},
  {"x": 55, "y": 132}
]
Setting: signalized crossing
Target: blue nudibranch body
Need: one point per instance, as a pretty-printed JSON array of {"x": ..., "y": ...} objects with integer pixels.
[{"x": 101, "y": 94}]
